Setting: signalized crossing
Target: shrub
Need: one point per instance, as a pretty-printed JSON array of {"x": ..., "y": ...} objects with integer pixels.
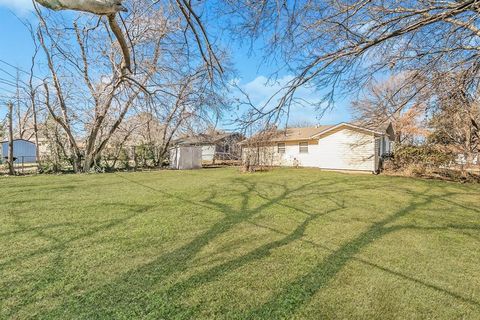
[
  {"x": 427, "y": 161},
  {"x": 426, "y": 156}
]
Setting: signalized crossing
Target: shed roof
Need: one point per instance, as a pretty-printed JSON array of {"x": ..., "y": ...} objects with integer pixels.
[{"x": 15, "y": 140}]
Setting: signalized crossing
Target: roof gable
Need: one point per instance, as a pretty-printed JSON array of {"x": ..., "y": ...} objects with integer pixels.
[
  {"x": 294, "y": 134},
  {"x": 313, "y": 133},
  {"x": 348, "y": 125}
]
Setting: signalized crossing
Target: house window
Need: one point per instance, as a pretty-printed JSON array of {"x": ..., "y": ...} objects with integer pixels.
[
  {"x": 281, "y": 147},
  {"x": 303, "y": 147}
]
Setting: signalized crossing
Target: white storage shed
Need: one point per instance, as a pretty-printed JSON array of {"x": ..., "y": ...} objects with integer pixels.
[{"x": 186, "y": 157}]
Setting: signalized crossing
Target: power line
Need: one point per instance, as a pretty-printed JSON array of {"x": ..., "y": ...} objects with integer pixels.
[
  {"x": 5, "y": 97},
  {"x": 8, "y": 82},
  {"x": 3, "y": 90},
  {"x": 19, "y": 69},
  {"x": 8, "y": 73},
  {"x": 13, "y": 84},
  {"x": 34, "y": 76},
  {"x": 16, "y": 79}
]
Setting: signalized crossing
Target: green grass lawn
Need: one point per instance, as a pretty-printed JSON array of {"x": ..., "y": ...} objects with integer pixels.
[{"x": 295, "y": 244}]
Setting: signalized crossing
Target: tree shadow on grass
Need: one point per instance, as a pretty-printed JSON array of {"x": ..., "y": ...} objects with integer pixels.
[
  {"x": 174, "y": 295},
  {"x": 401, "y": 275},
  {"x": 23, "y": 228},
  {"x": 284, "y": 304},
  {"x": 57, "y": 248},
  {"x": 59, "y": 244},
  {"x": 139, "y": 292},
  {"x": 302, "y": 290},
  {"x": 145, "y": 291}
]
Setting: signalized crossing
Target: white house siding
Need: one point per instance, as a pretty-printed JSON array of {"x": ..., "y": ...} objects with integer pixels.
[
  {"x": 347, "y": 149},
  {"x": 208, "y": 152},
  {"x": 293, "y": 157},
  {"x": 342, "y": 149}
]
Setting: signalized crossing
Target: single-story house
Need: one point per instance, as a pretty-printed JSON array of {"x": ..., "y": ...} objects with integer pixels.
[
  {"x": 215, "y": 146},
  {"x": 344, "y": 146},
  {"x": 24, "y": 151}
]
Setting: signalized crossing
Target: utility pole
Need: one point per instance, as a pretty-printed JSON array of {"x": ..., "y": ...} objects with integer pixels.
[{"x": 11, "y": 170}]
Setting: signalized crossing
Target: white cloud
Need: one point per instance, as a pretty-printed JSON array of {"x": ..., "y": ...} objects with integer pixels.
[
  {"x": 17, "y": 5},
  {"x": 260, "y": 90}
]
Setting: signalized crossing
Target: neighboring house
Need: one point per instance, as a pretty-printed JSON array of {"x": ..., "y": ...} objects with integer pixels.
[
  {"x": 24, "y": 151},
  {"x": 344, "y": 146},
  {"x": 462, "y": 159},
  {"x": 215, "y": 146}
]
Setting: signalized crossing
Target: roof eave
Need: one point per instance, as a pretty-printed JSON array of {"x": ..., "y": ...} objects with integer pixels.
[{"x": 315, "y": 136}]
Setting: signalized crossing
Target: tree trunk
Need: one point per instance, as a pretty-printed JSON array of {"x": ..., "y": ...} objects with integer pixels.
[
  {"x": 11, "y": 170},
  {"x": 135, "y": 159},
  {"x": 77, "y": 163},
  {"x": 35, "y": 130},
  {"x": 398, "y": 137},
  {"x": 88, "y": 162}
]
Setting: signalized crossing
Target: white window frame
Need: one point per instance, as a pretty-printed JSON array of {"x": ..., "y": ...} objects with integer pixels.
[
  {"x": 303, "y": 144},
  {"x": 281, "y": 147}
]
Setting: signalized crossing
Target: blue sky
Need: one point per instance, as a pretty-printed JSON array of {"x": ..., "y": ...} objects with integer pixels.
[{"x": 16, "y": 49}]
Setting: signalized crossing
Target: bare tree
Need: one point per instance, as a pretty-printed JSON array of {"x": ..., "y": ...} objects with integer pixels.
[
  {"x": 3, "y": 125},
  {"x": 258, "y": 151},
  {"x": 339, "y": 46},
  {"x": 182, "y": 102},
  {"x": 92, "y": 111},
  {"x": 456, "y": 119},
  {"x": 56, "y": 143},
  {"x": 22, "y": 108},
  {"x": 193, "y": 101},
  {"x": 105, "y": 91},
  {"x": 32, "y": 91},
  {"x": 400, "y": 100},
  {"x": 109, "y": 8}
]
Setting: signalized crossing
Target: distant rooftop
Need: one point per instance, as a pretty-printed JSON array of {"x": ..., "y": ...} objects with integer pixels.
[{"x": 204, "y": 138}]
